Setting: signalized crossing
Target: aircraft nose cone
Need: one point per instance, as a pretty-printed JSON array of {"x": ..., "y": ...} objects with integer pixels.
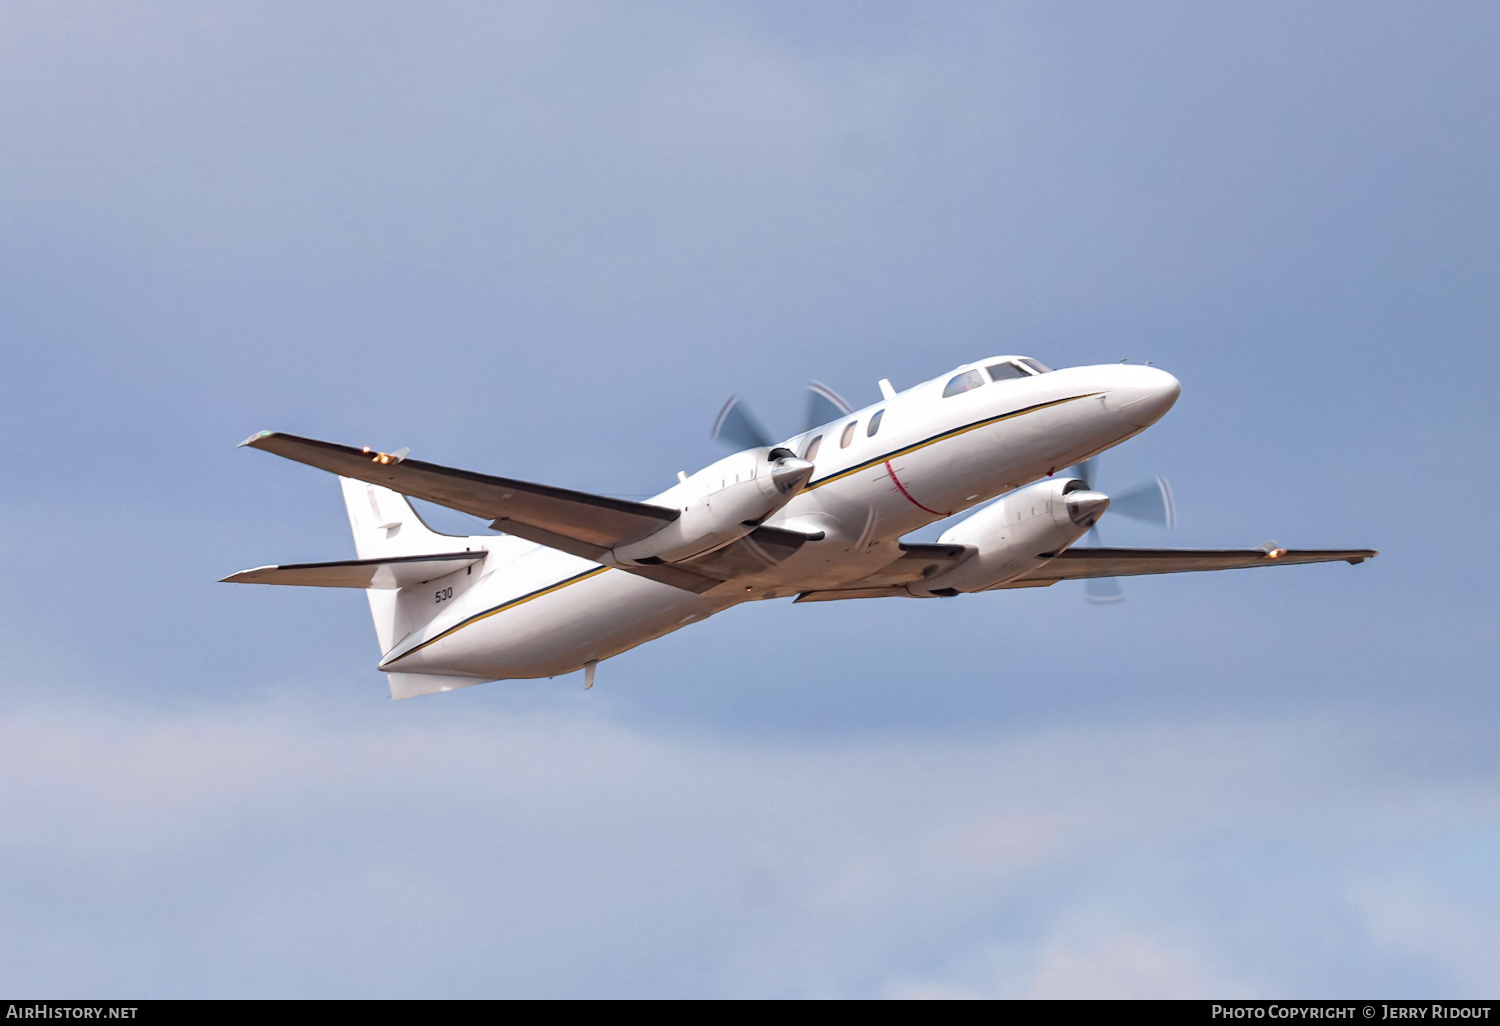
[{"x": 1145, "y": 395}]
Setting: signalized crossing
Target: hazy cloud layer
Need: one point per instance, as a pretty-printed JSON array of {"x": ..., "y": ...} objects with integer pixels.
[{"x": 282, "y": 850}]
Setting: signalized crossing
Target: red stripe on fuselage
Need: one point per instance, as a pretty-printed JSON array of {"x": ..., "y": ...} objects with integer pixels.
[{"x": 906, "y": 493}]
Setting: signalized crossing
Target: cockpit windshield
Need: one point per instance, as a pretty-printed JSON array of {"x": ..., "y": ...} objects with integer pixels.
[
  {"x": 1011, "y": 368},
  {"x": 1016, "y": 367},
  {"x": 1005, "y": 371}
]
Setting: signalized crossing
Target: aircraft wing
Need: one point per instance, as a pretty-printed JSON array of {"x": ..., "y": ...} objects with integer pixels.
[
  {"x": 591, "y": 523},
  {"x": 1075, "y": 564},
  {"x": 399, "y": 572},
  {"x": 915, "y": 563},
  {"x": 578, "y": 523}
]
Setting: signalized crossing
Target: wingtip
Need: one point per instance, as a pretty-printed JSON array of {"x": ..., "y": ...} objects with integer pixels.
[{"x": 255, "y": 438}]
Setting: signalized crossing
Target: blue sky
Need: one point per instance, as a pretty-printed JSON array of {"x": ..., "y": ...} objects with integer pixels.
[{"x": 547, "y": 241}]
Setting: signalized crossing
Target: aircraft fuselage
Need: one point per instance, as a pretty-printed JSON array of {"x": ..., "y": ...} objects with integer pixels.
[{"x": 534, "y": 611}]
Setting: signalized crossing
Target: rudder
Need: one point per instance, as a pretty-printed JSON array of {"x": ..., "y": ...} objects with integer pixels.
[{"x": 385, "y": 525}]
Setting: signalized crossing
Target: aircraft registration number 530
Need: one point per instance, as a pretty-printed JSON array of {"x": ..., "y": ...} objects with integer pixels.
[{"x": 443, "y": 595}]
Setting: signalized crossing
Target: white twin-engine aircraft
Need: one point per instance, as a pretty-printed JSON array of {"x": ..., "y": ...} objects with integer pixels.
[{"x": 578, "y": 578}]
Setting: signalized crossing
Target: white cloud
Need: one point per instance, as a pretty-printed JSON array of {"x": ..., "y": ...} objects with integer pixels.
[
  {"x": 1407, "y": 913},
  {"x": 1125, "y": 966}
]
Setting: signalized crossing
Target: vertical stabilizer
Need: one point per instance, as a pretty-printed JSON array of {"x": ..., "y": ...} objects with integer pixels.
[{"x": 385, "y": 525}]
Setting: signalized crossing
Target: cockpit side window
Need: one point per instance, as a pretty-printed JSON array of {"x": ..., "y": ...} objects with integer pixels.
[
  {"x": 1040, "y": 368},
  {"x": 1004, "y": 371},
  {"x": 962, "y": 383},
  {"x": 874, "y": 423},
  {"x": 848, "y": 435},
  {"x": 811, "y": 452}
]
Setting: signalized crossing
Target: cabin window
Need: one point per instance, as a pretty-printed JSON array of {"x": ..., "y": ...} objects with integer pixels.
[
  {"x": 848, "y": 435},
  {"x": 811, "y": 453},
  {"x": 874, "y": 424},
  {"x": 962, "y": 383},
  {"x": 1005, "y": 371},
  {"x": 1040, "y": 368}
]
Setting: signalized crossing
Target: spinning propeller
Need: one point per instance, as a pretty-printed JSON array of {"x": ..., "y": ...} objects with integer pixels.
[
  {"x": 1150, "y": 502},
  {"x": 738, "y": 428}
]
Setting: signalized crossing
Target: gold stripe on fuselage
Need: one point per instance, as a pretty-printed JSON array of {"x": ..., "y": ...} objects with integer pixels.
[{"x": 502, "y": 607}]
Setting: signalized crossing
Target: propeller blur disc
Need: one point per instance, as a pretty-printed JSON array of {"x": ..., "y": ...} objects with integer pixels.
[
  {"x": 823, "y": 405},
  {"x": 1151, "y": 502},
  {"x": 1103, "y": 591},
  {"x": 737, "y": 427}
]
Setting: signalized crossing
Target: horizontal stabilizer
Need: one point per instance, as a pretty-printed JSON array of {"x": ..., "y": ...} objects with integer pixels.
[{"x": 398, "y": 572}]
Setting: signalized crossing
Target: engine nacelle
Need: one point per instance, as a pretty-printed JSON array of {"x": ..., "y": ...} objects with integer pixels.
[
  {"x": 1019, "y": 532},
  {"x": 720, "y": 504}
]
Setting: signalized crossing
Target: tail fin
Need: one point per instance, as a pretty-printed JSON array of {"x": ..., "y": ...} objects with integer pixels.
[{"x": 385, "y": 525}]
